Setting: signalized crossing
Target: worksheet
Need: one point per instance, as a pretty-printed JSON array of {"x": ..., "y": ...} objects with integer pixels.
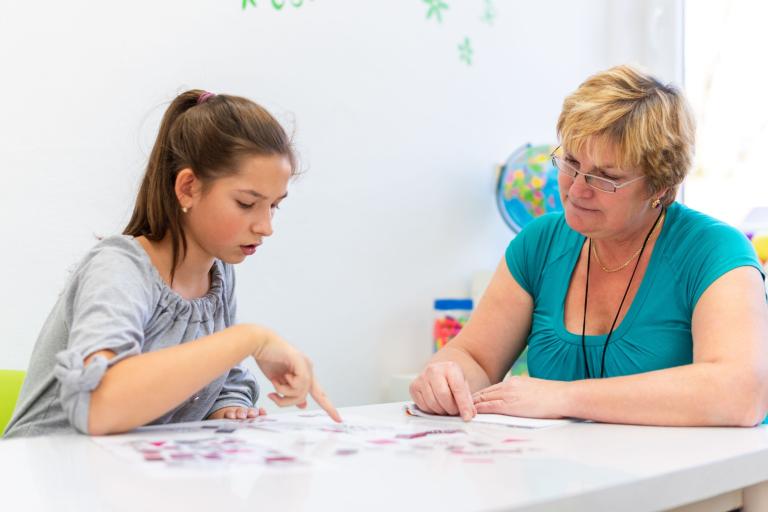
[{"x": 307, "y": 440}]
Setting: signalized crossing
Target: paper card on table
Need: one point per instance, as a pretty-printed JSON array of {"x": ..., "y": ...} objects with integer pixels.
[{"x": 498, "y": 419}]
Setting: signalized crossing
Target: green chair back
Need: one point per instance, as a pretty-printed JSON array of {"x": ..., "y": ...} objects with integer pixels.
[{"x": 10, "y": 385}]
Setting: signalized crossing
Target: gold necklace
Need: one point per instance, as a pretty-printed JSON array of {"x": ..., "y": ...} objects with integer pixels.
[{"x": 624, "y": 265}]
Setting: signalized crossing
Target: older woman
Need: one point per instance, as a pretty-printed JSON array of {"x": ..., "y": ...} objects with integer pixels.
[{"x": 634, "y": 308}]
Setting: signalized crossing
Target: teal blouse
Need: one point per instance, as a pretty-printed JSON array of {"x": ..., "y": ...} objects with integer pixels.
[{"x": 692, "y": 251}]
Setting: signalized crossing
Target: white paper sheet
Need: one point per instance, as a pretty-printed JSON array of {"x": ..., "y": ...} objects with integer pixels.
[{"x": 498, "y": 419}]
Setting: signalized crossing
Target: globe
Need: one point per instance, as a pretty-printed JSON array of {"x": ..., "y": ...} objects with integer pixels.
[
  {"x": 526, "y": 189},
  {"x": 527, "y": 186}
]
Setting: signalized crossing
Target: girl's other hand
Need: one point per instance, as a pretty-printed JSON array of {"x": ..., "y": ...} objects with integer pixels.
[{"x": 237, "y": 413}]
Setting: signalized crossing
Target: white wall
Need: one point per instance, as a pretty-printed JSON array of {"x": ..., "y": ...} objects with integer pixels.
[{"x": 399, "y": 137}]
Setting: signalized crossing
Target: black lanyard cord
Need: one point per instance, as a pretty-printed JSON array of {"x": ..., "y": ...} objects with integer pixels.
[{"x": 616, "y": 318}]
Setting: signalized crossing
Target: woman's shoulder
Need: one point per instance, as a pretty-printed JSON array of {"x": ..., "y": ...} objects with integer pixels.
[
  {"x": 689, "y": 218},
  {"x": 693, "y": 229},
  {"x": 701, "y": 249},
  {"x": 543, "y": 241}
]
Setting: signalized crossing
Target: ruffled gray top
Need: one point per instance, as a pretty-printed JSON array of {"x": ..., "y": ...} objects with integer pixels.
[{"x": 116, "y": 300}]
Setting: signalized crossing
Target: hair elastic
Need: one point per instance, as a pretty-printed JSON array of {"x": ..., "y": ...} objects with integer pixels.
[{"x": 205, "y": 96}]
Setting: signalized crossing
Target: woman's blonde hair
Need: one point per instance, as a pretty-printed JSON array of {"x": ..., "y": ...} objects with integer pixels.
[{"x": 649, "y": 124}]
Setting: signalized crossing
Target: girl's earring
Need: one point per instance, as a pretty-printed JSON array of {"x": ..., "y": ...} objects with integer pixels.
[
  {"x": 184, "y": 209},
  {"x": 655, "y": 204}
]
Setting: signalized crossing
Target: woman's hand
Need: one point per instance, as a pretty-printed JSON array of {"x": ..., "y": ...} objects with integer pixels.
[
  {"x": 290, "y": 372},
  {"x": 522, "y": 396},
  {"x": 442, "y": 389},
  {"x": 237, "y": 413}
]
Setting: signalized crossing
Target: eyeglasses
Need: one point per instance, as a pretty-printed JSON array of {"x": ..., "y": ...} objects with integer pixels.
[{"x": 596, "y": 182}]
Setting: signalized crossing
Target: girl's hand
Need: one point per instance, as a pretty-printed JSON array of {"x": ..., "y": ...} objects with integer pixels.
[
  {"x": 522, "y": 396},
  {"x": 237, "y": 413},
  {"x": 290, "y": 372},
  {"x": 442, "y": 389}
]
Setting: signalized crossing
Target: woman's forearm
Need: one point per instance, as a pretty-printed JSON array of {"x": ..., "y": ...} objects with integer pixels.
[
  {"x": 700, "y": 394},
  {"x": 139, "y": 389}
]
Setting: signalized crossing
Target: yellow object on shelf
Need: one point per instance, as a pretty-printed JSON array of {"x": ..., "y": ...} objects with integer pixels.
[{"x": 760, "y": 242}]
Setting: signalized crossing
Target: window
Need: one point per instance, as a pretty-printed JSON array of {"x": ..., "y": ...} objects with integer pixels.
[{"x": 726, "y": 80}]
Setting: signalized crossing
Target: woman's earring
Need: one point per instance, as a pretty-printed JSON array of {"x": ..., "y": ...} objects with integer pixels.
[
  {"x": 654, "y": 204},
  {"x": 185, "y": 209}
]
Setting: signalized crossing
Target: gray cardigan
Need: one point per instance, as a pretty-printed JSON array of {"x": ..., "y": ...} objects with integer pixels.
[{"x": 116, "y": 300}]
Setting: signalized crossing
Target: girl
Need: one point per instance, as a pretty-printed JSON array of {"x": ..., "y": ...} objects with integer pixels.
[{"x": 145, "y": 331}]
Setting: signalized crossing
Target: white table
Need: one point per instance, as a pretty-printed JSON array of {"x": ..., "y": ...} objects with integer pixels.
[{"x": 580, "y": 466}]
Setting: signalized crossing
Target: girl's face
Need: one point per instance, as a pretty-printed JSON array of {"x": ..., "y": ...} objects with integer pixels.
[
  {"x": 232, "y": 217},
  {"x": 596, "y": 213}
]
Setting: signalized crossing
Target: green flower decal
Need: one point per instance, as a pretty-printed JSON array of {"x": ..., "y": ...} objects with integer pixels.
[
  {"x": 436, "y": 8},
  {"x": 465, "y": 51}
]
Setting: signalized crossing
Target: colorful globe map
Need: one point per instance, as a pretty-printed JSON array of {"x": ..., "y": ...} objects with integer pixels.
[{"x": 527, "y": 186}]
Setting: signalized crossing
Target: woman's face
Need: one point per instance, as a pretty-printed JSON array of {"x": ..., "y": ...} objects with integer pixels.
[{"x": 598, "y": 214}]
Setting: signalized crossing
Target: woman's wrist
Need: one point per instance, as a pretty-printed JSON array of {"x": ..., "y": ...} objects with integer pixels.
[{"x": 568, "y": 397}]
